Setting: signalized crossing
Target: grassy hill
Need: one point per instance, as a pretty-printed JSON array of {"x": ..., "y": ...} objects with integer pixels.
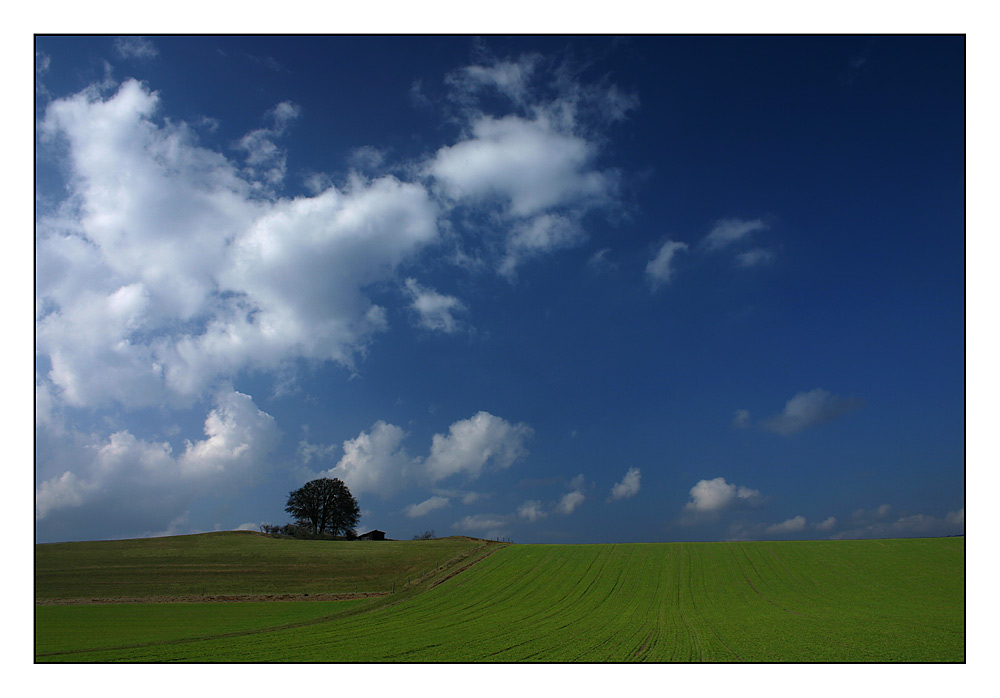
[
  {"x": 851, "y": 601},
  {"x": 234, "y": 563}
]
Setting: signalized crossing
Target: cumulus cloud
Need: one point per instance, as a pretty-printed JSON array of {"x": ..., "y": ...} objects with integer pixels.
[
  {"x": 810, "y": 409},
  {"x": 659, "y": 270},
  {"x": 434, "y": 310},
  {"x": 427, "y": 506},
  {"x": 144, "y": 479},
  {"x": 570, "y": 501},
  {"x": 474, "y": 444},
  {"x": 709, "y": 496},
  {"x": 528, "y": 166},
  {"x": 153, "y": 287},
  {"x": 169, "y": 268},
  {"x": 534, "y": 166},
  {"x": 374, "y": 461},
  {"x": 629, "y": 485},
  {"x": 158, "y": 284}
]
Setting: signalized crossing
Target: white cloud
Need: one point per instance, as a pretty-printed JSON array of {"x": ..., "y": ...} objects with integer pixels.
[
  {"x": 716, "y": 495},
  {"x": 135, "y": 47},
  {"x": 809, "y": 409},
  {"x": 475, "y": 443},
  {"x": 528, "y": 165},
  {"x": 570, "y": 501},
  {"x": 659, "y": 269},
  {"x": 532, "y": 511},
  {"x": 167, "y": 270},
  {"x": 534, "y": 168},
  {"x": 125, "y": 475},
  {"x": 427, "y": 506},
  {"x": 727, "y": 231},
  {"x": 435, "y": 310},
  {"x": 239, "y": 437},
  {"x": 374, "y": 461},
  {"x": 629, "y": 485},
  {"x": 249, "y": 526},
  {"x": 792, "y": 525},
  {"x": 826, "y": 524}
]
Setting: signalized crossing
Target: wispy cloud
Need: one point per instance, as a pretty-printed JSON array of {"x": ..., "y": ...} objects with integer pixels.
[
  {"x": 135, "y": 47},
  {"x": 755, "y": 257},
  {"x": 427, "y": 506},
  {"x": 435, "y": 311},
  {"x": 913, "y": 525},
  {"x": 727, "y": 231},
  {"x": 793, "y": 525},
  {"x": 532, "y": 511},
  {"x": 810, "y": 409},
  {"x": 659, "y": 270}
]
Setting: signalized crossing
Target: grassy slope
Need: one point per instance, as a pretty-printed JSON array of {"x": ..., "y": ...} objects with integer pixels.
[
  {"x": 893, "y": 600},
  {"x": 233, "y": 563}
]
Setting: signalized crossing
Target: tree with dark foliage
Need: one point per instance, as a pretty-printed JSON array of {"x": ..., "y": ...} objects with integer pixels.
[{"x": 326, "y": 506}]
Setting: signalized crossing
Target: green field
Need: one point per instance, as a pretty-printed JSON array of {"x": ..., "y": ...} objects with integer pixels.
[{"x": 841, "y": 601}]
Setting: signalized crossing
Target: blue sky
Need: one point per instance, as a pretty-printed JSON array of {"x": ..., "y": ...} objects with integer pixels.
[{"x": 552, "y": 289}]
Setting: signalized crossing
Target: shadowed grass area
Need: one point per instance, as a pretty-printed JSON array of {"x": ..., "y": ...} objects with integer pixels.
[{"x": 234, "y": 563}]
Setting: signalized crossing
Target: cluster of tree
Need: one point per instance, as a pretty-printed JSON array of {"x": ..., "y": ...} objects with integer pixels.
[
  {"x": 426, "y": 535},
  {"x": 292, "y": 529},
  {"x": 323, "y": 508}
]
